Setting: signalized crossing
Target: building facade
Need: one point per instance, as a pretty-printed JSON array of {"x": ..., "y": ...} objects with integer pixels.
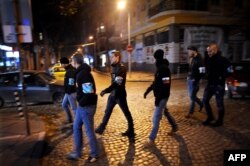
[{"x": 173, "y": 25}]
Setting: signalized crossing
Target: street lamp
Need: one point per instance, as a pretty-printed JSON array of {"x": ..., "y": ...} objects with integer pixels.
[{"x": 121, "y": 6}]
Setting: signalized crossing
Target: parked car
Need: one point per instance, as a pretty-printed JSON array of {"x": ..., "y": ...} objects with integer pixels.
[
  {"x": 238, "y": 83},
  {"x": 39, "y": 87}
]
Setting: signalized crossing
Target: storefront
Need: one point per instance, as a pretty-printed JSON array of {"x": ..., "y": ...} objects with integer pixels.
[{"x": 9, "y": 59}]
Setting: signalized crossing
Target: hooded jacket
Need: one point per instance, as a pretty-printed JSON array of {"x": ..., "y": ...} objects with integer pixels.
[
  {"x": 118, "y": 81},
  {"x": 216, "y": 69},
  {"x": 69, "y": 80},
  {"x": 86, "y": 89},
  {"x": 194, "y": 72},
  {"x": 162, "y": 81}
]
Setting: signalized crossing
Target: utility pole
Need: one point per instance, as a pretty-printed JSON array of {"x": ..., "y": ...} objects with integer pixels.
[{"x": 18, "y": 43}]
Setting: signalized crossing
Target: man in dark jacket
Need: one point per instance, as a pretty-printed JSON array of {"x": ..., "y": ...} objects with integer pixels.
[
  {"x": 194, "y": 75},
  {"x": 117, "y": 95},
  {"x": 87, "y": 100},
  {"x": 161, "y": 88},
  {"x": 216, "y": 73},
  {"x": 70, "y": 89}
]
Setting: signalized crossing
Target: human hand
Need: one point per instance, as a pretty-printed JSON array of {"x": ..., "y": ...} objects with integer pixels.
[{"x": 102, "y": 93}]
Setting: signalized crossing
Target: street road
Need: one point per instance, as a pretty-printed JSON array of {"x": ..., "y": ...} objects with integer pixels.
[{"x": 193, "y": 144}]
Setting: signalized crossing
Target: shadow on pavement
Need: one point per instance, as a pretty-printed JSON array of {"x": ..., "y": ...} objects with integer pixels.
[
  {"x": 185, "y": 158},
  {"x": 103, "y": 159},
  {"x": 240, "y": 139},
  {"x": 130, "y": 155},
  {"x": 159, "y": 155}
]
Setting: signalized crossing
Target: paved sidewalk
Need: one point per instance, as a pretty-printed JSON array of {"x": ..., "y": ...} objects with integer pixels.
[{"x": 16, "y": 148}]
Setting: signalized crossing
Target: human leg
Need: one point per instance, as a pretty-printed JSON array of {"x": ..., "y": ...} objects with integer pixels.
[
  {"x": 122, "y": 102},
  {"x": 208, "y": 93},
  {"x": 65, "y": 106},
  {"x": 219, "y": 97},
  {"x": 109, "y": 108},
  {"x": 72, "y": 102},
  {"x": 156, "y": 119},
  {"x": 88, "y": 121}
]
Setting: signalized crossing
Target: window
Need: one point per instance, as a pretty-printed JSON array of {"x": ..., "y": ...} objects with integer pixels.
[
  {"x": 33, "y": 80},
  {"x": 162, "y": 37},
  {"x": 9, "y": 80},
  {"x": 149, "y": 39}
]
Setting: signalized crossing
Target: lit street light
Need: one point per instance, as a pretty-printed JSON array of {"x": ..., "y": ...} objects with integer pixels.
[{"x": 121, "y": 6}]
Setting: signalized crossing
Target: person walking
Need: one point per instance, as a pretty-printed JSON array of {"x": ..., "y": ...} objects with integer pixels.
[
  {"x": 118, "y": 95},
  {"x": 193, "y": 79},
  {"x": 216, "y": 73},
  {"x": 69, "y": 99},
  {"x": 161, "y": 88},
  {"x": 87, "y": 100}
]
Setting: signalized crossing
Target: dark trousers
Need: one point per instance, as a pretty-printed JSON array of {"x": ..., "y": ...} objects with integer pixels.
[
  {"x": 219, "y": 92},
  {"x": 122, "y": 102}
]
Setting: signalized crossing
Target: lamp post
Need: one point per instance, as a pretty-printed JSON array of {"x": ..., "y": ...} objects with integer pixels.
[{"x": 121, "y": 6}]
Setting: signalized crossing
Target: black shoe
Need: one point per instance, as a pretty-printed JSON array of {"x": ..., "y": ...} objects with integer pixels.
[
  {"x": 99, "y": 131},
  {"x": 217, "y": 124},
  {"x": 207, "y": 122},
  {"x": 201, "y": 106},
  {"x": 128, "y": 134}
]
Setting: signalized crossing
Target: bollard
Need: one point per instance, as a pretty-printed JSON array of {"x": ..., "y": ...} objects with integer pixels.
[{"x": 19, "y": 105}]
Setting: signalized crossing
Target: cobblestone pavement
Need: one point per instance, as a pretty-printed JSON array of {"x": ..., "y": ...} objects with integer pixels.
[{"x": 193, "y": 144}]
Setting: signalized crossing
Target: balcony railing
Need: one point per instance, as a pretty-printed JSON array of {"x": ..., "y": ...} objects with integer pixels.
[{"x": 168, "y": 5}]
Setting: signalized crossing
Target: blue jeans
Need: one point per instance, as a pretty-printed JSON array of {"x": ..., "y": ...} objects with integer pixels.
[
  {"x": 219, "y": 92},
  {"x": 85, "y": 115},
  {"x": 193, "y": 88},
  {"x": 69, "y": 100},
  {"x": 157, "y": 118}
]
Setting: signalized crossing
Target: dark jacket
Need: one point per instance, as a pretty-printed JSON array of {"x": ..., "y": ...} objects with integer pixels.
[
  {"x": 84, "y": 79},
  {"x": 69, "y": 79},
  {"x": 217, "y": 70},
  {"x": 118, "y": 81},
  {"x": 162, "y": 81},
  {"x": 194, "y": 72}
]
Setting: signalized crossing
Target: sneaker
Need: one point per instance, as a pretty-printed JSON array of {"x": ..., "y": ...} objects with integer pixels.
[
  {"x": 91, "y": 159},
  {"x": 73, "y": 156}
]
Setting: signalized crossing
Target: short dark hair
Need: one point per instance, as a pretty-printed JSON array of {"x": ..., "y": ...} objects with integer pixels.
[
  {"x": 159, "y": 54},
  {"x": 78, "y": 58},
  {"x": 64, "y": 60},
  {"x": 117, "y": 54},
  {"x": 193, "y": 48}
]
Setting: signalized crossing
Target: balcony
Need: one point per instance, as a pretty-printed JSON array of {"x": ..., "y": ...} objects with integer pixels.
[{"x": 178, "y": 5}]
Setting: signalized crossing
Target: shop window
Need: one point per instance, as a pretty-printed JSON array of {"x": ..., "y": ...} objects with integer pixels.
[
  {"x": 163, "y": 37},
  {"x": 149, "y": 40}
]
